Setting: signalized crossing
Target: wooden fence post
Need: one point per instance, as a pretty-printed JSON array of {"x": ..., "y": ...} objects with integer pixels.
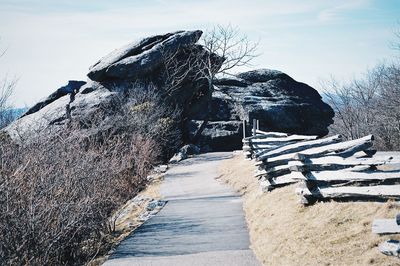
[
  {"x": 244, "y": 128},
  {"x": 254, "y": 126}
]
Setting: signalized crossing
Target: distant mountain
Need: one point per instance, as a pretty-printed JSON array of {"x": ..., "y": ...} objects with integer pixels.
[
  {"x": 11, "y": 115},
  {"x": 17, "y": 112}
]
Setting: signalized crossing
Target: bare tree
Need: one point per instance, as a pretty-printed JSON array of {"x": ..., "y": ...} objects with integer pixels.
[
  {"x": 227, "y": 42},
  {"x": 396, "y": 43},
  {"x": 223, "y": 48},
  {"x": 6, "y": 90},
  {"x": 368, "y": 105},
  {"x": 233, "y": 47}
]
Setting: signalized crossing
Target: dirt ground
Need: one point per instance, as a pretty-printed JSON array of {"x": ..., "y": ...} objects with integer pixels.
[{"x": 283, "y": 232}]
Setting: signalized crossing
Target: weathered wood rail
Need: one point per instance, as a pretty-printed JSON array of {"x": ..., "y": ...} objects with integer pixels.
[
  {"x": 388, "y": 226},
  {"x": 325, "y": 168}
]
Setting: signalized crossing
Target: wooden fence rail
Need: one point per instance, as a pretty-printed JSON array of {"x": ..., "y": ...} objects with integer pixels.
[{"x": 325, "y": 168}]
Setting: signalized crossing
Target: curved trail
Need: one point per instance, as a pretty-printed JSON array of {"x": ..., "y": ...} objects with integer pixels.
[{"x": 202, "y": 223}]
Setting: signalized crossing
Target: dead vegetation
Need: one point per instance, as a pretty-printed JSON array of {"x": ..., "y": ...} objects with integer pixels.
[
  {"x": 7, "y": 86},
  {"x": 57, "y": 193},
  {"x": 283, "y": 232},
  {"x": 129, "y": 217},
  {"x": 369, "y": 104}
]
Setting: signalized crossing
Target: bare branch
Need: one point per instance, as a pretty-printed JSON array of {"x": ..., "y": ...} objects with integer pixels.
[
  {"x": 235, "y": 48},
  {"x": 369, "y": 105},
  {"x": 6, "y": 90}
]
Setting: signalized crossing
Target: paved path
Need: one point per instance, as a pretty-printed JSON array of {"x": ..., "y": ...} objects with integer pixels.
[{"x": 202, "y": 223}]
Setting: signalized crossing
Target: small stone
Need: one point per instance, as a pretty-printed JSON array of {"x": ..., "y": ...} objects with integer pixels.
[
  {"x": 390, "y": 248},
  {"x": 190, "y": 149},
  {"x": 151, "y": 205},
  {"x": 178, "y": 157}
]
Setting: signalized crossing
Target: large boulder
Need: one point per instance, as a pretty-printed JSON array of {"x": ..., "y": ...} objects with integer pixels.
[
  {"x": 53, "y": 116},
  {"x": 218, "y": 135},
  {"x": 141, "y": 58},
  {"x": 278, "y": 101}
]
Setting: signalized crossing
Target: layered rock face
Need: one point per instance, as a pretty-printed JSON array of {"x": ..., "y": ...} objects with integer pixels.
[
  {"x": 274, "y": 98},
  {"x": 140, "y": 59},
  {"x": 278, "y": 101}
]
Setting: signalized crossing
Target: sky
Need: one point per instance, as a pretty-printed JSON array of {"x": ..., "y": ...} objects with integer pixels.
[{"x": 49, "y": 42}]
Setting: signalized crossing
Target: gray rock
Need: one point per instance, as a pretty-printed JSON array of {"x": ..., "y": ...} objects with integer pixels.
[
  {"x": 232, "y": 81},
  {"x": 151, "y": 205},
  {"x": 190, "y": 149},
  {"x": 52, "y": 118},
  {"x": 72, "y": 88},
  {"x": 179, "y": 156},
  {"x": 390, "y": 248},
  {"x": 218, "y": 135},
  {"x": 184, "y": 153},
  {"x": 277, "y": 100},
  {"x": 141, "y": 58},
  {"x": 262, "y": 75},
  {"x": 161, "y": 168}
]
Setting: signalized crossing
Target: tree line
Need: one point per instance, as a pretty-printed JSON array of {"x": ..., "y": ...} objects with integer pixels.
[{"x": 369, "y": 105}]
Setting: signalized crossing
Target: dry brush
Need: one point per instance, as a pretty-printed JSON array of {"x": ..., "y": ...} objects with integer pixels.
[{"x": 57, "y": 194}]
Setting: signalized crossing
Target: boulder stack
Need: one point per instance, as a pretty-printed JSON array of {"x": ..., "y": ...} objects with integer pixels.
[{"x": 278, "y": 101}]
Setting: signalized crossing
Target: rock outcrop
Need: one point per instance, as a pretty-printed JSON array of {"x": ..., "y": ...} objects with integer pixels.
[
  {"x": 71, "y": 88},
  {"x": 277, "y": 100},
  {"x": 140, "y": 59},
  {"x": 113, "y": 78}
]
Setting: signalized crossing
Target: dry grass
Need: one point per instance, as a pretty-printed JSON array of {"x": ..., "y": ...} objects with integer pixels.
[{"x": 283, "y": 232}]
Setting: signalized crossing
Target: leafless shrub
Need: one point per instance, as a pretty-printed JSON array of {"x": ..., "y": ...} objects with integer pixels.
[
  {"x": 6, "y": 90},
  {"x": 369, "y": 105},
  {"x": 224, "y": 48},
  {"x": 144, "y": 110},
  {"x": 57, "y": 193}
]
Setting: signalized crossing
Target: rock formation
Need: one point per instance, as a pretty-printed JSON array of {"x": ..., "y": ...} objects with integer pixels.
[
  {"x": 278, "y": 101},
  {"x": 71, "y": 88},
  {"x": 140, "y": 59}
]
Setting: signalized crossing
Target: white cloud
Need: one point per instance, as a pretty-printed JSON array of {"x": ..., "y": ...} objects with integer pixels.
[{"x": 336, "y": 11}]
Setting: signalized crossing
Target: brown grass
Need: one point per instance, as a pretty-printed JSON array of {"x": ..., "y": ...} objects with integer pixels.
[{"x": 283, "y": 232}]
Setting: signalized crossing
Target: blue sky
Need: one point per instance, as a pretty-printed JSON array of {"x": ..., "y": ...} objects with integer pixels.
[{"x": 49, "y": 42}]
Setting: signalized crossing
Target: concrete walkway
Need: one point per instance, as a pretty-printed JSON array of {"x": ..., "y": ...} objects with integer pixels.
[{"x": 202, "y": 223}]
